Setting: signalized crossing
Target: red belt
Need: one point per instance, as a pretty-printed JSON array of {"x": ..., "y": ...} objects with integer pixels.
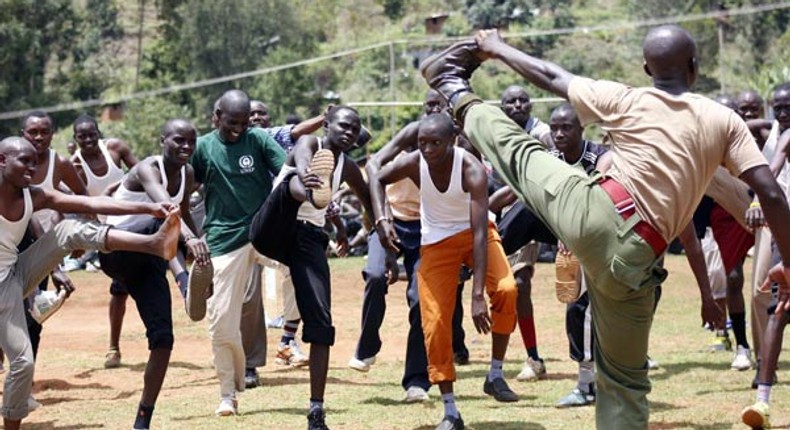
[{"x": 624, "y": 205}]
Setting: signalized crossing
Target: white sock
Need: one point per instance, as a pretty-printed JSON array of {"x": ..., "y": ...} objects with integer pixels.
[
  {"x": 449, "y": 405},
  {"x": 763, "y": 393},
  {"x": 496, "y": 370}
]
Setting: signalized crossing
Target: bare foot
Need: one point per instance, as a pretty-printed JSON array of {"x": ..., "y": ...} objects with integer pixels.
[{"x": 166, "y": 239}]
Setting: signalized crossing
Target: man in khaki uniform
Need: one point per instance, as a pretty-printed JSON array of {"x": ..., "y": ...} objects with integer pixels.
[{"x": 666, "y": 145}]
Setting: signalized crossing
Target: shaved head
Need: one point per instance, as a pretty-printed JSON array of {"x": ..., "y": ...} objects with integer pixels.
[
  {"x": 727, "y": 100},
  {"x": 233, "y": 101},
  {"x": 440, "y": 122},
  {"x": 175, "y": 125},
  {"x": 670, "y": 53},
  {"x": 13, "y": 145}
]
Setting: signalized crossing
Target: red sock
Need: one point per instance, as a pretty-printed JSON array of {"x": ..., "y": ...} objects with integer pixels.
[{"x": 526, "y": 326}]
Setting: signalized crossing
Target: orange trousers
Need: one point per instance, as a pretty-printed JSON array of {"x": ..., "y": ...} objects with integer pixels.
[{"x": 437, "y": 283}]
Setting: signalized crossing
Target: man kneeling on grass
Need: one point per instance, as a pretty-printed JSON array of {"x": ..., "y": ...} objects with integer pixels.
[{"x": 455, "y": 231}]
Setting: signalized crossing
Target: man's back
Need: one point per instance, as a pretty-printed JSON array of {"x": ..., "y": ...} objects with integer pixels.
[{"x": 665, "y": 148}]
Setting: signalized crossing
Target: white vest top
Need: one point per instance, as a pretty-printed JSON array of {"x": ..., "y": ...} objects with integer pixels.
[
  {"x": 97, "y": 184},
  {"x": 11, "y": 233},
  {"x": 443, "y": 214},
  {"x": 45, "y": 216},
  {"x": 308, "y": 212},
  {"x": 783, "y": 179},
  {"x": 128, "y": 222}
]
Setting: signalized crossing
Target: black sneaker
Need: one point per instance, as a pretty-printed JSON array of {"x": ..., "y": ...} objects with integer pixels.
[
  {"x": 251, "y": 379},
  {"x": 315, "y": 420},
  {"x": 499, "y": 390},
  {"x": 451, "y": 423}
]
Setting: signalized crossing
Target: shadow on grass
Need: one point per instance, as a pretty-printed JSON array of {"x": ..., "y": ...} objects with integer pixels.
[
  {"x": 50, "y": 425},
  {"x": 689, "y": 424},
  {"x": 498, "y": 425},
  {"x": 61, "y": 385},
  {"x": 387, "y": 401},
  {"x": 669, "y": 370},
  {"x": 300, "y": 412},
  {"x": 663, "y": 406},
  {"x": 139, "y": 367}
]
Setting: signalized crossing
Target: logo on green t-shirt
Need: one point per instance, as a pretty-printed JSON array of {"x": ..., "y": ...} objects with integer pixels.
[{"x": 247, "y": 164}]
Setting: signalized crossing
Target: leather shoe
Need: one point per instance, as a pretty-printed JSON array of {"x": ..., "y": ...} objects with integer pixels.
[
  {"x": 499, "y": 390},
  {"x": 448, "y": 72}
]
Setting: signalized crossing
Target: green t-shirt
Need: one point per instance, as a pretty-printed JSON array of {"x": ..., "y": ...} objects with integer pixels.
[{"x": 236, "y": 178}]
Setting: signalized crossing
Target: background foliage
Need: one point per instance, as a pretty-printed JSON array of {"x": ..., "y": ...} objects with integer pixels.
[{"x": 57, "y": 51}]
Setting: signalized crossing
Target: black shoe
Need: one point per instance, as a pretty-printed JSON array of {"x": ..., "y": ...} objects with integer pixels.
[
  {"x": 499, "y": 389},
  {"x": 461, "y": 359},
  {"x": 251, "y": 379},
  {"x": 448, "y": 72},
  {"x": 315, "y": 420},
  {"x": 451, "y": 423}
]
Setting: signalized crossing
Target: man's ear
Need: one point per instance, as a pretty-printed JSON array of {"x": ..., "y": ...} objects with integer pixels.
[{"x": 646, "y": 69}]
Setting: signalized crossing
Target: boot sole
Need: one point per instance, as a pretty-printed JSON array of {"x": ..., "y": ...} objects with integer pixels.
[
  {"x": 200, "y": 281},
  {"x": 323, "y": 164}
]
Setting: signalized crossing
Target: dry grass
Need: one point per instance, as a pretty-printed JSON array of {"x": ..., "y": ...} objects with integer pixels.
[{"x": 693, "y": 389}]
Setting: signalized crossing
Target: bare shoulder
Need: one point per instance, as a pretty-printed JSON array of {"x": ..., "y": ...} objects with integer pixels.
[{"x": 115, "y": 144}]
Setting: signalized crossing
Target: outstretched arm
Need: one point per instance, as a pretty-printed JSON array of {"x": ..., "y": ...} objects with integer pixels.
[
  {"x": 543, "y": 74},
  {"x": 45, "y": 199},
  {"x": 780, "y": 156}
]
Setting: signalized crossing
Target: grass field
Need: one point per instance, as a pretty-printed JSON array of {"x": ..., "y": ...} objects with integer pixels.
[{"x": 693, "y": 389}]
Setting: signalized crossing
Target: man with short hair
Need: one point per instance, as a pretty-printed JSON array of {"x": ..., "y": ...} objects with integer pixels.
[
  {"x": 617, "y": 226},
  {"x": 516, "y": 104},
  {"x": 455, "y": 230},
  {"x": 21, "y": 272},
  {"x": 288, "y": 228},
  {"x": 165, "y": 178},
  {"x": 235, "y": 164}
]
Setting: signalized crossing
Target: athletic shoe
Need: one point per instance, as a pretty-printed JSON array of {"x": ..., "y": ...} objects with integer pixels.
[
  {"x": 323, "y": 164},
  {"x": 290, "y": 355},
  {"x": 92, "y": 267},
  {"x": 652, "y": 364},
  {"x": 532, "y": 371},
  {"x": 228, "y": 406},
  {"x": 576, "y": 398},
  {"x": 567, "y": 285},
  {"x": 757, "y": 416},
  {"x": 278, "y": 322},
  {"x": 112, "y": 359},
  {"x": 499, "y": 390},
  {"x": 71, "y": 264},
  {"x": 198, "y": 290},
  {"x": 32, "y": 404},
  {"x": 315, "y": 420},
  {"x": 743, "y": 359},
  {"x": 461, "y": 358},
  {"x": 46, "y": 303},
  {"x": 451, "y": 423},
  {"x": 721, "y": 343},
  {"x": 251, "y": 379},
  {"x": 362, "y": 365},
  {"x": 416, "y": 394}
]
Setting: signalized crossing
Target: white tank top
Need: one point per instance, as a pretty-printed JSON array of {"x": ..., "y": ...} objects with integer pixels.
[
  {"x": 11, "y": 233},
  {"x": 45, "y": 217},
  {"x": 443, "y": 214},
  {"x": 308, "y": 212},
  {"x": 128, "y": 222},
  {"x": 97, "y": 184}
]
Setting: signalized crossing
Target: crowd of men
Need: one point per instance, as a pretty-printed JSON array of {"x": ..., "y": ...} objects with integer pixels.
[{"x": 468, "y": 188}]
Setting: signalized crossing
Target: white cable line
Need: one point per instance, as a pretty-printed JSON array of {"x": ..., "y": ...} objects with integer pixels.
[
  {"x": 421, "y": 41},
  {"x": 419, "y": 103}
]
